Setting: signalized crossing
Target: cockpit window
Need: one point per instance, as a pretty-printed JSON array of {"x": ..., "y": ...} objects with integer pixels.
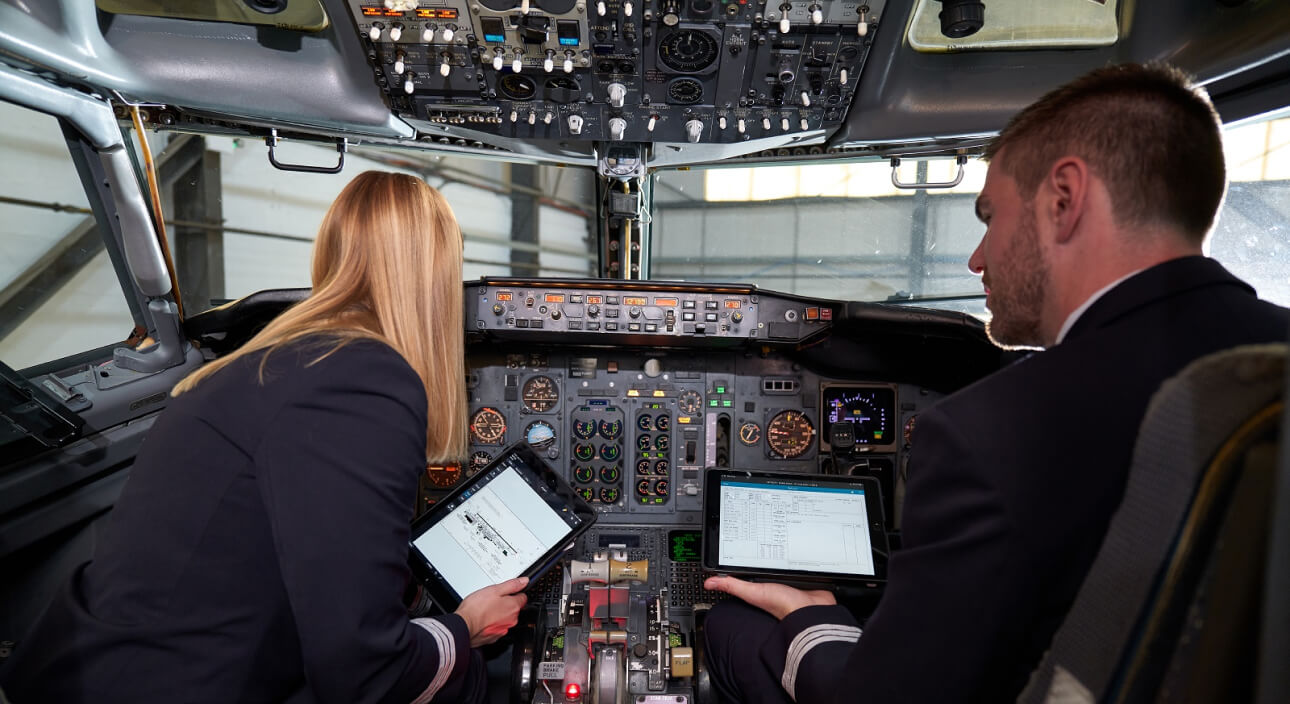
[
  {"x": 59, "y": 294},
  {"x": 1013, "y": 24},
  {"x": 833, "y": 230}
]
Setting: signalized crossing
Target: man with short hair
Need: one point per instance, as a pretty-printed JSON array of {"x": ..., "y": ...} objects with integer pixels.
[{"x": 1097, "y": 204}]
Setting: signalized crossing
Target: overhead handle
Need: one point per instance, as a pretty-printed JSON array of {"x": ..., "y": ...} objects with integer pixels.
[
  {"x": 272, "y": 142},
  {"x": 961, "y": 160}
]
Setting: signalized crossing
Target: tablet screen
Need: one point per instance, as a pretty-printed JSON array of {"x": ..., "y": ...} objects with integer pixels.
[
  {"x": 794, "y": 526},
  {"x": 497, "y": 529}
]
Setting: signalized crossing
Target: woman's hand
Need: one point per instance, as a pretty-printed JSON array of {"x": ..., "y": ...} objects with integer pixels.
[
  {"x": 778, "y": 600},
  {"x": 490, "y": 612}
]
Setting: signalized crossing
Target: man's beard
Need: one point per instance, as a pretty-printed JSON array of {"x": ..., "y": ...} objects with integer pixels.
[{"x": 1018, "y": 287}]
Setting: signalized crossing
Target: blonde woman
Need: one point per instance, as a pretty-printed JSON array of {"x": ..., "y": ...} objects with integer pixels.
[{"x": 258, "y": 552}]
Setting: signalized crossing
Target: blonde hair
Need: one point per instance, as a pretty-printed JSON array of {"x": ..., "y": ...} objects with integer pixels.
[{"x": 387, "y": 266}]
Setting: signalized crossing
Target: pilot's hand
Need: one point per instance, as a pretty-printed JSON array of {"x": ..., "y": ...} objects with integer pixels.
[
  {"x": 778, "y": 600},
  {"x": 490, "y": 612}
]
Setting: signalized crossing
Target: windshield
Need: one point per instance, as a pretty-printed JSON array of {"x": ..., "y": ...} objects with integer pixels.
[{"x": 844, "y": 231}]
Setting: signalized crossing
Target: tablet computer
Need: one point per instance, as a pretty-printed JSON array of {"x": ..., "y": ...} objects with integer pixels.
[
  {"x": 794, "y": 527},
  {"x": 512, "y": 519}
]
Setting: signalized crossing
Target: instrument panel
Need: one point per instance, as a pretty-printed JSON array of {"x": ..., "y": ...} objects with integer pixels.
[{"x": 680, "y": 71}]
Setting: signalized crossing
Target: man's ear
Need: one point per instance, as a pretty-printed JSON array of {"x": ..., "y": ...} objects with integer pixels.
[{"x": 1068, "y": 183}]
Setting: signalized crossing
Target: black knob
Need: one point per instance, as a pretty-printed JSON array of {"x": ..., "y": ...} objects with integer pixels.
[{"x": 498, "y": 309}]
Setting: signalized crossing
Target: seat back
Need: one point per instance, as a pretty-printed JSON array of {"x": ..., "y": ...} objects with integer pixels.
[{"x": 1186, "y": 493}]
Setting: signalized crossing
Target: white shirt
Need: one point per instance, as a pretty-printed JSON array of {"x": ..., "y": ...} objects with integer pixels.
[{"x": 1075, "y": 314}]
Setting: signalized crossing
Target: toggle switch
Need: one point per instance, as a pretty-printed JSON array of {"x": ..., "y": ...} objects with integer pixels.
[
  {"x": 396, "y": 32},
  {"x": 783, "y": 124},
  {"x": 498, "y": 61},
  {"x": 448, "y": 34},
  {"x": 693, "y": 130},
  {"x": 408, "y": 85},
  {"x": 374, "y": 33},
  {"x": 548, "y": 64},
  {"x": 568, "y": 62},
  {"x": 721, "y": 122},
  {"x": 806, "y": 99},
  {"x": 842, "y": 77},
  {"x": 765, "y": 123},
  {"x": 600, "y": 8},
  {"x": 575, "y": 124},
  {"x": 653, "y": 120}
]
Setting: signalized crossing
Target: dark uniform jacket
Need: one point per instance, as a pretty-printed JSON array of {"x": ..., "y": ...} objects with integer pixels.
[
  {"x": 1012, "y": 483},
  {"x": 259, "y": 550}
]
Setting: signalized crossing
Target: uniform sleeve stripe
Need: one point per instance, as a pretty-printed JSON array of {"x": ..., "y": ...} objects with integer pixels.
[
  {"x": 447, "y": 656},
  {"x": 805, "y": 641}
]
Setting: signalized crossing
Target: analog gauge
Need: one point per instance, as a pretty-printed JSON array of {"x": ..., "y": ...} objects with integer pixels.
[
  {"x": 587, "y": 493},
  {"x": 660, "y": 487},
  {"x": 689, "y": 402},
  {"x": 684, "y": 91},
  {"x": 688, "y": 50},
  {"x": 869, "y": 410},
  {"x": 610, "y": 474},
  {"x": 750, "y": 434},
  {"x": 583, "y": 473},
  {"x": 562, "y": 90},
  {"x": 487, "y": 426},
  {"x": 645, "y": 422},
  {"x": 514, "y": 86},
  {"x": 663, "y": 422},
  {"x": 610, "y": 429},
  {"x": 644, "y": 442},
  {"x": 584, "y": 428},
  {"x": 584, "y": 452},
  {"x": 478, "y": 461},
  {"x": 642, "y": 487},
  {"x": 540, "y": 394},
  {"x": 642, "y": 467},
  {"x": 609, "y": 495},
  {"x": 661, "y": 467},
  {"x": 539, "y": 434},
  {"x": 609, "y": 453},
  {"x": 789, "y": 434},
  {"x": 443, "y": 476},
  {"x": 661, "y": 443}
]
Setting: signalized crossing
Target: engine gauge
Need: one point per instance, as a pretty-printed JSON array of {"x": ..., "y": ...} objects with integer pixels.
[
  {"x": 642, "y": 487},
  {"x": 660, "y": 487},
  {"x": 443, "y": 476},
  {"x": 487, "y": 426},
  {"x": 610, "y": 429},
  {"x": 661, "y": 443},
  {"x": 790, "y": 434},
  {"x": 643, "y": 442},
  {"x": 584, "y": 428},
  {"x": 610, "y": 474},
  {"x": 609, "y": 495},
  {"x": 609, "y": 453},
  {"x": 478, "y": 461},
  {"x": 869, "y": 409},
  {"x": 583, "y": 473},
  {"x": 750, "y": 434},
  {"x": 689, "y": 402},
  {"x": 540, "y": 434},
  {"x": 540, "y": 394},
  {"x": 688, "y": 50},
  {"x": 663, "y": 422},
  {"x": 587, "y": 493},
  {"x": 645, "y": 422},
  {"x": 642, "y": 467},
  {"x": 584, "y": 452},
  {"x": 661, "y": 467}
]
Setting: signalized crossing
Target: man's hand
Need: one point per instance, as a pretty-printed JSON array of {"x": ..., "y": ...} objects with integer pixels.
[
  {"x": 778, "y": 600},
  {"x": 490, "y": 612}
]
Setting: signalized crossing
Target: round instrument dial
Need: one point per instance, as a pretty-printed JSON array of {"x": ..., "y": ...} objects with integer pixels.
[
  {"x": 609, "y": 453},
  {"x": 584, "y": 428},
  {"x": 540, "y": 434},
  {"x": 660, "y": 487},
  {"x": 443, "y": 476},
  {"x": 610, "y": 474},
  {"x": 789, "y": 434},
  {"x": 684, "y": 91},
  {"x": 478, "y": 461},
  {"x": 644, "y": 442},
  {"x": 661, "y": 443},
  {"x": 487, "y": 426},
  {"x": 610, "y": 429},
  {"x": 583, "y": 473},
  {"x": 750, "y": 434},
  {"x": 663, "y": 422},
  {"x": 587, "y": 493},
  {"x": 584, "y": 452},
  {"x": 689, "y": 401},
  {"x": 642, "y": 467},
  {"x": 609, "y": 495},
  {"x": 518, "y": 87},
  {"x": 540, "y": 394},
  {"x": 642, "y": 487},
  {"x": 661, "y": 467},
  {"x": 645, "y": 422},
  {"x": 688, "y": 50}
]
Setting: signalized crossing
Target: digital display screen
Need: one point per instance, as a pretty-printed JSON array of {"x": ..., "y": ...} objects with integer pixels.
[
  {"x": 669, "y": 302},
  {"x": 504, "y": 296},
  {"x": 633, "y": 301},
  {"x": 730, "y": 303},
  {"x": 683, "y": 545},
  {"x": 794, "y": 526},
  {"x": 594, "y": 299},
  {"x": 383, "y": 12},
  {"x": 436, "y": 13},
  {"x": 870, "y": 409},
  {"x": 496, "y": 530},
  {"x": 553, "y": 298}
]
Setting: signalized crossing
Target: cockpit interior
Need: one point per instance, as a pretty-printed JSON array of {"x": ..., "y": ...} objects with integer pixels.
[{"x": 698, "y": 234}]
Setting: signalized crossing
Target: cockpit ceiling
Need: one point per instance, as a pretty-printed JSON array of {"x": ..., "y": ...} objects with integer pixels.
[{"x": 693, "y": 81}]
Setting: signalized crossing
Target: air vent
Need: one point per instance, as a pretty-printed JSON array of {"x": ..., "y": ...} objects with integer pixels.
[{"x": 779, "y": 386}]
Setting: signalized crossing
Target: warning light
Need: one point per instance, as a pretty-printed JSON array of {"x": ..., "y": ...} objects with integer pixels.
[{"x": 572, "y": 691}]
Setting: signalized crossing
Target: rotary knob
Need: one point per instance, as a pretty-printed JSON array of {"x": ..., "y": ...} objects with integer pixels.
[
  {"x": 593, "y": 310},
  {"x": 575, "y": 124},
  {"x": 617, "y": 94},
  {"x": 693, "y": 130},
  {"x": 617, "y": 127},
  {"x": 498, "y": 309},
  {"x": 634, "y": 311},
  {"x": 736, "y": 317}
]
